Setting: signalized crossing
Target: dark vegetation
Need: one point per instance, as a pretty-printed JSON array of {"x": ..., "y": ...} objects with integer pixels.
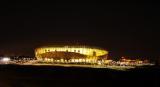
[{"x": 49, "y": 76}]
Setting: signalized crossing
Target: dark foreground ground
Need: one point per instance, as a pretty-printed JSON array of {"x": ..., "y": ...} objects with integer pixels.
[{"x": 49, "y": 76}]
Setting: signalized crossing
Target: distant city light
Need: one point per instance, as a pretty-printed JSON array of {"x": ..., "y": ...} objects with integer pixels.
[{"x": 5, "y": 59}]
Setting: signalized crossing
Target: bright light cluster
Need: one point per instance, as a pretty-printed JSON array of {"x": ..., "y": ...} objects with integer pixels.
[{"x": 5, "y": 59}]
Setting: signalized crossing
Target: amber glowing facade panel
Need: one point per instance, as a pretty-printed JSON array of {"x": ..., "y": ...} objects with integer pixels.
[{"x": 90, "y": 52}]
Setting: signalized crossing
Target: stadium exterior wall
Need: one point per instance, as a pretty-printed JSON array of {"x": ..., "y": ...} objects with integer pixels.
[{"x": 90, "y": 52}]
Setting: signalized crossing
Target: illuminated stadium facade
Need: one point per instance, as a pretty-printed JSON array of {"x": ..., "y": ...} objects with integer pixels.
[{"x": 70, "y": 54}]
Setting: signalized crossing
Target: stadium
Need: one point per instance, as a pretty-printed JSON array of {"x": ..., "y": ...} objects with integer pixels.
[{"x": 70, "y": 54}]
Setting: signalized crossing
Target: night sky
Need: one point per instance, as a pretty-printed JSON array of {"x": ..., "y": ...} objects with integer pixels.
[{"x": 123, "y": 28}]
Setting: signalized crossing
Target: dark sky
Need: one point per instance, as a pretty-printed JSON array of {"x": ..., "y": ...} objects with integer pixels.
[{"x": 123, "y": 28}]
